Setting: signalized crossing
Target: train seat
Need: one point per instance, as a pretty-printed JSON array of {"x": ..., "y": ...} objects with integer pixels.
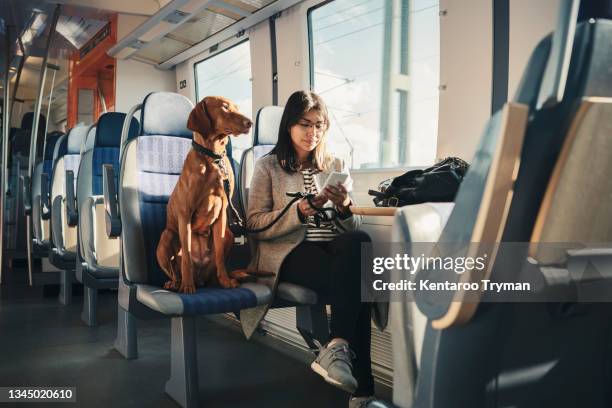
[
  {"x": 535, "y": 344},
  {"x": 311, "y": 316},
  {"x": 41, "y": 226},
  {"x": 97, "y": 264},
  {"x": 63, "y": 234},
  {"x": 150, "y": 166}
]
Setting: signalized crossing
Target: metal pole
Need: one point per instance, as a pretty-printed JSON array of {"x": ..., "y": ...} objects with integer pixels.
[
  {"x": 6, "y": 117},
  {"x": 49, "y": 107},
  {"x": 18, "y": 78},
  {"x": 384, "y": 153},
  {"x": 404, "y": 97},
  {"x": 41, "y": 90},
  {"x": 33, "y": 139}
]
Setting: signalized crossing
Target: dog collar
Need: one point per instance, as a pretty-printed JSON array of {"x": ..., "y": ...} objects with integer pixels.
[{"x": 201, "y": 149}]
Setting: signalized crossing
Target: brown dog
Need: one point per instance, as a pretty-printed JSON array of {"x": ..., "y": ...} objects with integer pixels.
[{"x": 197, "y": 238}]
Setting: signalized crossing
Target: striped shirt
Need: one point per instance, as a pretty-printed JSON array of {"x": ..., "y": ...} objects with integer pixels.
[{"x": 326, "y": 231}]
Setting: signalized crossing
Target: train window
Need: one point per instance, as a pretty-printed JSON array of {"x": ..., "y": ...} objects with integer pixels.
[
  {"x": 228, "y": 73},
  {"x": 347, "y": 42}
]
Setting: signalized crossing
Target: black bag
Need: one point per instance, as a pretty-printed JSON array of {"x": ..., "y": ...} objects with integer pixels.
[{"x": 438, "y": 183}]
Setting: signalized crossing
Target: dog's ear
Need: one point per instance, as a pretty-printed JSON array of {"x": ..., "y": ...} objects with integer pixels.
[{"x": 199, "y": 120}]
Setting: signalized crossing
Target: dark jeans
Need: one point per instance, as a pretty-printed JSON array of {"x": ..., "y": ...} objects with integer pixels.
[{"x": 333, "y": 270}]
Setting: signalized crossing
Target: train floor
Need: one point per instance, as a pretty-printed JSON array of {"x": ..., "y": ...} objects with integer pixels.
[{"x": 43, "y": 343}]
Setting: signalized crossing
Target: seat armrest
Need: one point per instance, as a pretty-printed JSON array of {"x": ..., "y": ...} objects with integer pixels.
[
  {"x": 45, "y": 201},
  {"x": 111, "y": 207},
  {"x": 590, "y": 264},
  {"x": 72, "y": 215},
  {"x": 27, "y": 195}
]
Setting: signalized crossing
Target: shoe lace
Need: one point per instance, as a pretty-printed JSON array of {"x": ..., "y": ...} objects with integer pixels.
[{"x": 343, "y": 353}]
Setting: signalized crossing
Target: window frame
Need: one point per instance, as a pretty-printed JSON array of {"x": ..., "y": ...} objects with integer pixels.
[
  {"x": 311, "y": 42},
  {"x": 399, "y": 169}
]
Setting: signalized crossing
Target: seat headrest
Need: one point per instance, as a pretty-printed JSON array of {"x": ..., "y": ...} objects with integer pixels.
[
  {"x": 28, "y": 120},
  {"x": 61, "y": 146},
  {"x": 266, "y": 125},
  {"x": 165, "y": 114},
  {"x": 52, "y": 139},
  {"x": 89, "y": 142},
  {"x": 109, "y": 129},
  {"x": 76, "y": 139}
]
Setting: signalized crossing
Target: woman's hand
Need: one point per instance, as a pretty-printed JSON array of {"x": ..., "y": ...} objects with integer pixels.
[
  {"x": 338, "y": 195},
  {"x": 306, "y": 210}
]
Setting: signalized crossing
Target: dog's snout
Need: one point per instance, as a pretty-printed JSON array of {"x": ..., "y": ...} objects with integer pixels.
[{"x": 248, "y": 123}]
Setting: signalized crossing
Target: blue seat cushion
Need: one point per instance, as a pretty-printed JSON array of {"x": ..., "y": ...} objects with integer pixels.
[
  {"x": 204, "y": 301},
  {"x": 50, "y": 147},
  {"x": 108, "y": 133},
  {"x": 100, "y": 157}
]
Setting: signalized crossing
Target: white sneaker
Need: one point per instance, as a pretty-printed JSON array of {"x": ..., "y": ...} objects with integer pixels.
[{"x": 334, "y": 364}]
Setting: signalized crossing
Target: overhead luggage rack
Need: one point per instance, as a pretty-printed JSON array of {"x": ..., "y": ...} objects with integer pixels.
[{"x": 184, "y": 28}]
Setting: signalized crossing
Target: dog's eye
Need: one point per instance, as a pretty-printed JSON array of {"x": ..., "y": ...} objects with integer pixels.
[{"x": 226, "y": 107}]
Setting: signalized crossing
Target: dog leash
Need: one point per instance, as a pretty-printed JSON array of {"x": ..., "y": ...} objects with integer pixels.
[{"x": 236, "y": 223}]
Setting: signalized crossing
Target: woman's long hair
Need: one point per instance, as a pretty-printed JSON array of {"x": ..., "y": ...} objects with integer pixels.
[{"x": 298, "y": 104}]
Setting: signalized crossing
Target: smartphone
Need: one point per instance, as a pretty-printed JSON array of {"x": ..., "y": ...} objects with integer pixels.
[{"x": 334, "y": 178}]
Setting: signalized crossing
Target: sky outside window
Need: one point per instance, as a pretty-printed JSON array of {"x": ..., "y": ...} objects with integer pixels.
[
  {"x": 228, "y": 74},
  {"x": 347, "y": 43}
]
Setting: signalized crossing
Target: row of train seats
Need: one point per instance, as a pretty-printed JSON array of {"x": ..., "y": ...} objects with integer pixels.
[
  {"x": 72, "y": 164},
  {"x": 540, "y": 172},
  {"x": 15, "y": 222}
]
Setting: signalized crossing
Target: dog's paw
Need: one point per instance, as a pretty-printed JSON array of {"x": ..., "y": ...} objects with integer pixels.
[
  {"x": 228, "y": 283},
  {"x": 188, "y": 289},
  {"x": 172, "y": 285},
  {"x": 241, "y": 275}
]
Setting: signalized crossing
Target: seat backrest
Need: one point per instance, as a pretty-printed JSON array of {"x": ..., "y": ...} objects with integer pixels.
[
  {"x": 27, "y": 121},
  {"x": 68, "y": 158},
  {"x": 266, "y": 133},
  {"x": 47, "y": 165},
  {"x": 102, "y": 147},
  {"x": 571, "y": 215},
  {"x": 512, "y": 353},
  {"x": 54, "y": 149},
  {"x": 89, "y": 141},
  {"x": 150, "y": 167}
]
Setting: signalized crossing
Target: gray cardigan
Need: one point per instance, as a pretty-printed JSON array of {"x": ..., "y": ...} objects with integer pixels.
[{"x": 267, "y": 199}]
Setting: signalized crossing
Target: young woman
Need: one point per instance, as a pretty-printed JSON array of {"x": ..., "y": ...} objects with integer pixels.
[{"x": 323, "y": 257}]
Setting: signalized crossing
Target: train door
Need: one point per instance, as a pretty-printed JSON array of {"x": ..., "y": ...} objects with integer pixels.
[{"x": 91, "y": 89}]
